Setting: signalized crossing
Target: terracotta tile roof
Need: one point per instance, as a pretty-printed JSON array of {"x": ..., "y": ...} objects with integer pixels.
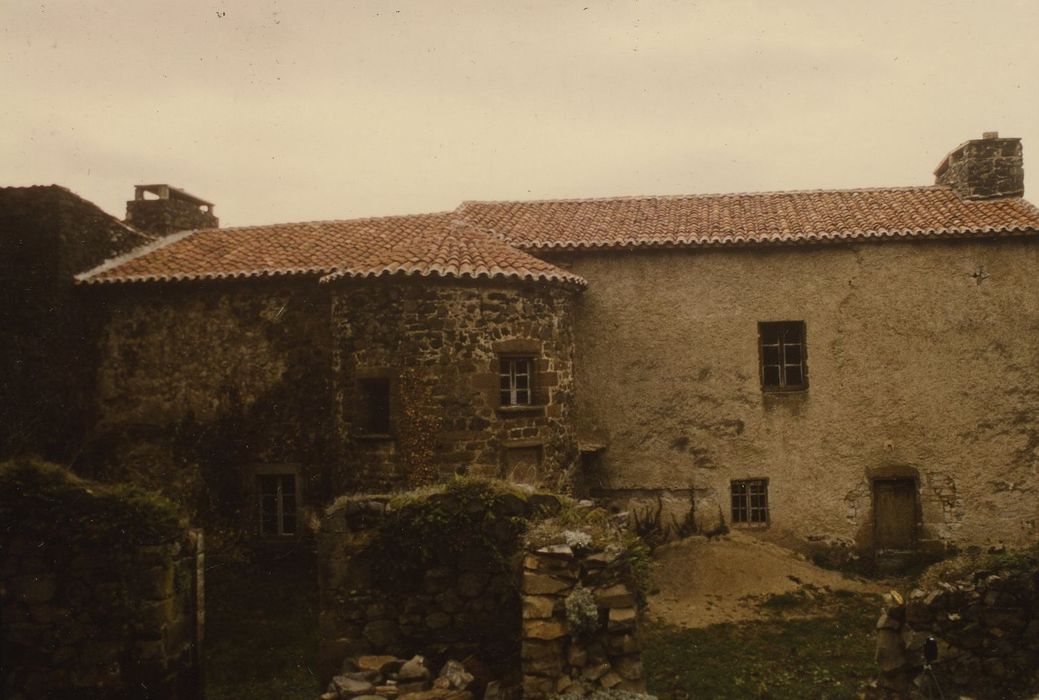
[
  {"x": 425, "y": 244},
  {"x": 749, "y": 219}
]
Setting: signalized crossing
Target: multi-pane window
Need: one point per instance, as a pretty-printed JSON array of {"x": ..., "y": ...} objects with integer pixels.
[
  {"x": 515, "y": 380},
  {"x": 750, "y": 501},
  {"x": 277, "y": 504},
  {"x": 783, "y": 356},
  {"x": 374, "y": 418}
]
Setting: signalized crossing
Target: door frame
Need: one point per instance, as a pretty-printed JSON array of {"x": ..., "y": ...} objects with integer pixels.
[{"x": 915, "y": 533}]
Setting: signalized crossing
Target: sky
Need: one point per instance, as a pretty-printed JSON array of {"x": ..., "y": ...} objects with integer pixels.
[{"x": 298, "y": 111}]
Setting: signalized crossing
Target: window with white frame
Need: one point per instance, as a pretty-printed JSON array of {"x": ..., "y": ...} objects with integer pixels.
[
  {"x": 277, "y": 504},
  {"x": 515, "y": 382}
]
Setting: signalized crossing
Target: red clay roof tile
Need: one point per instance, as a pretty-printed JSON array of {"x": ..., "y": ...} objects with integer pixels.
[
  {"x": 748, "y": 219},
  {"x": 424, "y": 244}
]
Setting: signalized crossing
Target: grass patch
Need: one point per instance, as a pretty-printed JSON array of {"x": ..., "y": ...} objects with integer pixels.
[
  {"x": 829, "y": 656},
  {"x": 261, "y": 629}
]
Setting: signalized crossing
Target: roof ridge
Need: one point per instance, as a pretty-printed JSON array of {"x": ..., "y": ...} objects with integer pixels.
[
  {"x": 316, "y": 222},
  {"x": 772, "y": 193}
]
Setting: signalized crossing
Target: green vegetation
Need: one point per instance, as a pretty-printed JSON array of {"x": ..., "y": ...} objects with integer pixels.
[
  {"x": 468, "y": 518},
  {"x": 44, "y": 501},
  {"x": 829, "y": 655},
  {"x": 261, "y": 631}
]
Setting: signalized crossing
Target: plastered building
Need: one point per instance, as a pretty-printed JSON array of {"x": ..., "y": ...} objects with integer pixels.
[{"x": 852, "y": 369}]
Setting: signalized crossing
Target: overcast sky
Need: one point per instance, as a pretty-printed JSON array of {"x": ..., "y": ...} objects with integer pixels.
[{"x": 289, "y": 111}]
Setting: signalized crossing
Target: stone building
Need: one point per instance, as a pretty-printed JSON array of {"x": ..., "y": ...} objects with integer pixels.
[
  {"x": 47, "y": 235},
  {"x": 855, "y": 368}
]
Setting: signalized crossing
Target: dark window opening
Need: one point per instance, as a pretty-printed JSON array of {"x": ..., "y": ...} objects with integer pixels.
[
  {"x": 515, "y": 380},
  {"x": 750, "y": 501},
  {"x": 277, "y": 504},
  {"x": 783, "y": 357},
  {"x": 375, "y": 406}
]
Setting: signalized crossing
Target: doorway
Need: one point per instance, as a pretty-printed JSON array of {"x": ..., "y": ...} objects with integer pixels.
[{"x": 894, "y": 514}]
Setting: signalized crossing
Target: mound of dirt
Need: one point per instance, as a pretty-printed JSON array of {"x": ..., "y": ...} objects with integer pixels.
[{"x": 699, "y": 582}]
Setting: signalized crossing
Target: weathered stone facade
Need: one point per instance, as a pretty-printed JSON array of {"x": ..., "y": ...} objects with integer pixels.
[
  {"x": 102, "y": 590},
  {"x": 202, "y": 385},
  {"x": 439, "y": 345},
  {"x": 48, "y": 353},
  {"x": 921, "y": 360}
]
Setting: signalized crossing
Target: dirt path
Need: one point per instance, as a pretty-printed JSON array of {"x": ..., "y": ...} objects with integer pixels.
[{"x": 702, "y": 582}]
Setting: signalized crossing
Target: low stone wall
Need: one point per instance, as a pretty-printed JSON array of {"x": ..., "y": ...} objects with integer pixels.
[
  {"x": 580, "y": 617},
  {"x": 433, "y": 573},
  {"x": 986, "y": 626},
  {"x": 101, "y": 590},
  {"x": 479, "y": 573}
]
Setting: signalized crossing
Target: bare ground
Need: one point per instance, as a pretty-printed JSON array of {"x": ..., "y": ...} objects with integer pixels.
[{"x": 699, "y": 582}]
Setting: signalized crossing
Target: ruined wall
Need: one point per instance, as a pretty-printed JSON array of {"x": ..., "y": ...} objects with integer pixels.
[
  {"x": 200, "y": 384},
  {"x": 921, "y": 362},
  {"x": 430, "y": 573},
  {"x": 101, "y": 590},
  {"x": 438, "y": 345},
  {"x": 541, "y": 592}
]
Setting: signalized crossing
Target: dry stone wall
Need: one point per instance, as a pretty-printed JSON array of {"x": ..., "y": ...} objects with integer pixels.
[
  {"x": 102, "y": 590},
  {"x": 447, "y": 574},
  {"x": 985, "y": 623},
  {"x": 580, "y": 620},
  {"x": 439, "y": 346}
]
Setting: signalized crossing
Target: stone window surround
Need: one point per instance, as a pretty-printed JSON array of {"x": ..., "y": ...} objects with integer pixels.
[
  {"x": 283, "y": 469},
  {"x": 540, "y": 394}
]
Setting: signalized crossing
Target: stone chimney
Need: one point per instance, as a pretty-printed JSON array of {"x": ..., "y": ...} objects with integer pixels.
[
  {"x": 985, "y": 168},
  {"x": 162, "y": 210}
]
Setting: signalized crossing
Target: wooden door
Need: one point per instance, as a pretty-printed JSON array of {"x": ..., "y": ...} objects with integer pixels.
[{"x": 894, "y": 514}]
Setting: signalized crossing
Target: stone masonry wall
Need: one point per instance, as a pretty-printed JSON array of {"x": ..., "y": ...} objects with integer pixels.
[
  {"x": 201, "y": 383},
  {"x": 481, "y": 573},
  {"x": 47, "y": 358},
  {"x": 920, "y": 359},
  {"x": 986, "y": 625},
  {"x": 101, "y": 593},
  {"x": 984, "y": 168},
  {"x": 432, "y": 574},
  {"x": 438, "y": 344},
  {"x": 580, "y": 618}
]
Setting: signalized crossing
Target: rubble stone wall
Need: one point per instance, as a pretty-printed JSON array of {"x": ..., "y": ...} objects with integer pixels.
[
  {"x": 439, "y": 345},
  {"x": 102, "y": 590},
  {"x": 986, "y": 625},
  {"x": 563, "y": 654},
  {"x": 486, "y": 587},
  {"x": 201, "y": 384}
]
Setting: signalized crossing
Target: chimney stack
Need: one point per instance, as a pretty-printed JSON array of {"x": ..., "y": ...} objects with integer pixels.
[
  {"x": 985, "y": 168},
  {"x": 168, "y": 210}
]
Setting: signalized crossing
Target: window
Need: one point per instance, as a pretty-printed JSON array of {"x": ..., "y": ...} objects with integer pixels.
[
  {"x": 783, "y": 357},
  {"x": 277, "y": 504},
  {"x": 515, "y": 380},
  {"x": 374, "y": 413},
  {"x": 750, "y": 501}
]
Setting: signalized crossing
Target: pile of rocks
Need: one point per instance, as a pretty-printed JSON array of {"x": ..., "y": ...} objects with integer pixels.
[
  {"x": 562, "y": 656},
  {"x": 985, "y": 626},
  {"x": 390, "y": 678}
]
